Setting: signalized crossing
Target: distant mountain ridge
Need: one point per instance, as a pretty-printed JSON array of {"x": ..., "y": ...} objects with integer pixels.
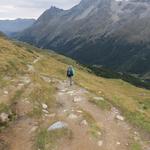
[
  {"x": 110, "y": 33},
  {"x": 18, "y": 25}
]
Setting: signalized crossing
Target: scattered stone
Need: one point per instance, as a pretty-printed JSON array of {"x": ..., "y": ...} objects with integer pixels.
[
  {"x": 25, "y": 80},
  {"x": 99, "y": 98},
  {"x": 114, "y": 110},
  {"x": 100, "y": 143},
  {"x": 119, "y": 117},
  {"x": 4, "y": 117},
  {"x": 73, "y": 116},
  {"x": 84, "y": 122},
  {"x": 64, "y": 90},
  {"x": 136, "y": 133},
  {"x": 36, "y": 60},
  {"x": 100, "y": 92},
  {"x": 118, "y": 143},
  {"x": 58, "y": 125},
  {"x": 20, "y": 84},
  {"x": 50, "y": 115},
  {"x": 30, "y": 68},
  {"x": 70, "y": 92},
  {"x": 46, "y": 79},
  {"x": 33, "y": 129},
  {"x": 44, "y": 106},
  {"x": 26, "y": 101},
  {"x": 99, "y": 133},
  {"x": 6, "y": 92},
  {"x": 72, "y": 110},
  {"x": 45, "y": 111},
  {"x": 79, "y": 111},
  {"x": 65, "y": 110},
  {"x": 77, "y": 99}
]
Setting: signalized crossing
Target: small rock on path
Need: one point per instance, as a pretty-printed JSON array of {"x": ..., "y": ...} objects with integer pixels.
[{"x": 58, "y": 125}]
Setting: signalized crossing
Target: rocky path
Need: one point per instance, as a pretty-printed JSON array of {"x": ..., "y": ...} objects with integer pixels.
[{"x": 113, "y": 133}]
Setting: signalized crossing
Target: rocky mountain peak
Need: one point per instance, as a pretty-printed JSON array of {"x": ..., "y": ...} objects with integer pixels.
[
  {"x": 50, "y": 13},
  {"x": 111, "y": 33},
  {"x": 54, "y": 8}
]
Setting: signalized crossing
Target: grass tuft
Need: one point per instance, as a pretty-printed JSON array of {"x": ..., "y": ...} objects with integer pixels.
[
  {"x": 47, "y": 140},
  {"x": 94, "y": 127}
]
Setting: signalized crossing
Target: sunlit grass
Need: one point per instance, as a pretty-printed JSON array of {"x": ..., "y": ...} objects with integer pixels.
[
  {"x": 136, "y": 146},
  {"x": 47, "y": 140}
]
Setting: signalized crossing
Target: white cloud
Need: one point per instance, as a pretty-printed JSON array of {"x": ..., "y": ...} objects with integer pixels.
[
  {"x": 11, "y": 9},
  {"x": 6, "y": 8}
]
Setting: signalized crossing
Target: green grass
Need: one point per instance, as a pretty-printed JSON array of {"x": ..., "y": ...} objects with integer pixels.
[
  {"x": 102, "y": 104},
  {"x": 139, "y": 119},
  {"x": 136, "y": 146},
  {"x": 42, "y": 92},
  {"x": 47, "y": 140},
  {"x": 18, "y": 94},
  {"x": 4, "y": 108},
  {"x": 3, "y": 82},
  {"x": 36, "y": 112}
]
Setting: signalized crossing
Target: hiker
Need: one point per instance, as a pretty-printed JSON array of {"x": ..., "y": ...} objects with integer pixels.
[{"x": 70, "y": 74}]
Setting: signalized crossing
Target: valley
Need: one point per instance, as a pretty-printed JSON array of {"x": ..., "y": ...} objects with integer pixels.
[{"x": 117, "y": 38}]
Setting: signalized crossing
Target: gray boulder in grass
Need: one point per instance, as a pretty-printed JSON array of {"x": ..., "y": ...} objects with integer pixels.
[{"x": 58, "y": 125}]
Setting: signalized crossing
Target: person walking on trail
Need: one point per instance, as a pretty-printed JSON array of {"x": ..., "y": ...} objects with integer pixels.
[{"x": 70, "y": 74}]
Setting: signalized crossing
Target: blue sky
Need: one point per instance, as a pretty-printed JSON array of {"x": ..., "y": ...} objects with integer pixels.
[{"x": 12, "y": 9}]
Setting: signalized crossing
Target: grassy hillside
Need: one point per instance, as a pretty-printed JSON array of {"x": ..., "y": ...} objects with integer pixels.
[
  {"x": 23, "y": 79},
  {"x": 133, "y": 101}
]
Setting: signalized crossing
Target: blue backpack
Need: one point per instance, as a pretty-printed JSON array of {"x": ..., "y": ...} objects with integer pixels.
[{"x": 70, "y": 72}]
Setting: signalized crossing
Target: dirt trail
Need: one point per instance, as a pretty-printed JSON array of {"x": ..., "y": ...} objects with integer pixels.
[
  {"x": 116, "y": 134},
  {"x": 21, "y": 134}
]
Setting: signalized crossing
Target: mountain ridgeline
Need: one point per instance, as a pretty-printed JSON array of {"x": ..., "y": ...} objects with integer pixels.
[
  {"x": 12, "y": 26},
  {"x": 110, "y": 33}
]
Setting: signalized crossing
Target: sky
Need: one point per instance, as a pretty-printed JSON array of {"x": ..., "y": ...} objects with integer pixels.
[{"x": 12, "y": 9}]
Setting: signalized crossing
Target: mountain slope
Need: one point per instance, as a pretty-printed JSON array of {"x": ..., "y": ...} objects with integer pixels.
[
  {"x": 35, "y": 94},
  {"x": 12, "y": 26},
  {"x": 111, "y": 33}
]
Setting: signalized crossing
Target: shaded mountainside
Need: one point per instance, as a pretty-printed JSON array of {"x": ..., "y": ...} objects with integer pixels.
[
  {"x": 38, "y": 110},
  {"x": 13, "y": 26},
  {"x": 110, "y": 33}
]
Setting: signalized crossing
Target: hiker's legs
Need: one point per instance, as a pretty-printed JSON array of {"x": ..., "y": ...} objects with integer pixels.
[{"x": 70, "y": 81}]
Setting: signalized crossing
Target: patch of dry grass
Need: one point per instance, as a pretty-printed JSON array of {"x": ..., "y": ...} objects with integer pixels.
[{"x": 47, "y": 140}]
